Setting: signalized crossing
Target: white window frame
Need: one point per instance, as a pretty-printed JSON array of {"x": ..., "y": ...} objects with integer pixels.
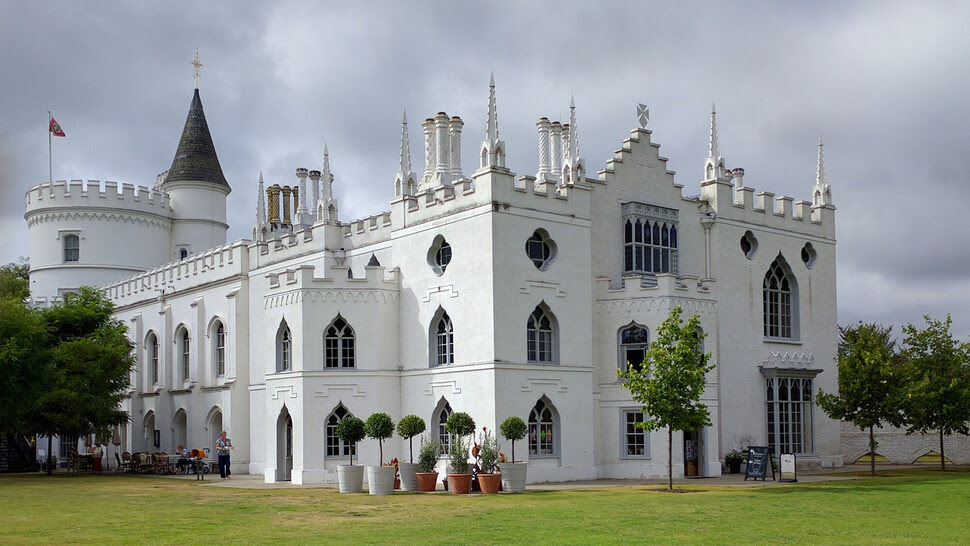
[
  {"x": 555, "y": 428},
  {"x": 441, "y": 343},
  {"x": 651, "y": 244},
  {"x": 786, "y": 419},
  {"x": 330, "y": 433},
  {"x": 66, "y": 236},
  {"x": 622, "y": 348},
  {"x": 780, "y": 305},
  {"x": 340, "y": 349},
  {"x": 542, "y": 344},
  {"x": 219, "y": 352},
  {"x": 624, "y": 435}
]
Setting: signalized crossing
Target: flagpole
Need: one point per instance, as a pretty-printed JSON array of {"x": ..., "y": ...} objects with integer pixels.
[{"x": 50, "y": 159}]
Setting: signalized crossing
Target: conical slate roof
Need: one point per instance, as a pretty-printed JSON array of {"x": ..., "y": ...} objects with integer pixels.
[{"x": 195, "y": 158}]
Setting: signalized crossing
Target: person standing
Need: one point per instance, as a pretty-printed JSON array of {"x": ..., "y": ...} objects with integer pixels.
[{"x": 223, "y": 445}]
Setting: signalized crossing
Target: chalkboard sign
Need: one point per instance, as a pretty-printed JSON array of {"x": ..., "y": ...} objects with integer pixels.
[{"x": 759, "y": 462}]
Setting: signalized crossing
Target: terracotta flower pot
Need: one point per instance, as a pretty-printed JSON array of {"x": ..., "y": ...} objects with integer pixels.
[
  {"x": 489, "y": 483},
  {"x": 427, "y": 481},
  {"x": 459, "y": 483}
]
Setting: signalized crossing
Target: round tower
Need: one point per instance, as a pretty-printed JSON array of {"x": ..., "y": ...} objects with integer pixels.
[{"x": 197, "y": 189}]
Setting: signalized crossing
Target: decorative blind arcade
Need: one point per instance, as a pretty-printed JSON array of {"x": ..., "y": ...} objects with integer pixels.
[{"x": 649, "y": 239}]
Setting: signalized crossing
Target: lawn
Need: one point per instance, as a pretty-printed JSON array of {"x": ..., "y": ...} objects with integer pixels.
[{"x": 921, "y": 506}]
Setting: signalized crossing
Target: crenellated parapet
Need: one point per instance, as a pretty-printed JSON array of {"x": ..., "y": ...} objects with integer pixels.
[
  {"x": 301, "y": 285},
  {"x": 366, "y": 231},
  {"x": 77, "y": 195},
  {"x": 741, "y": 203},
  {"x": 213, "y": 265}
]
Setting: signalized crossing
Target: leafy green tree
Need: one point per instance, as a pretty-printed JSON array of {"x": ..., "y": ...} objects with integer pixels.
[
  {"x": 408, "y": 427},
  {"x": 90, "y": 359},
  {"x": 671, "y": 381},
  {"x": 939, "y": 384},
  {"x": 351, "y": 430},
  {"x": 871, "y": 381},
  {"x": 513, "y": 428},
  {"x": 15, "y": 281},
  {"x": 460, "y": 424},
  {"x": 380, "y": 427},
  {"x": 24, "y": 361}
]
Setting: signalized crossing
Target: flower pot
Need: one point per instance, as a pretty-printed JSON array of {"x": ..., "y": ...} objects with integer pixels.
[
  {"x": 426, "y": 481},
  {"x": 350, "y": 478},
  {"x": 459, "y": 483},
  {"x": 489, "y": 483},
  {"x": 513, "y": 476},
  {"x": 734, "y": 468},
  {"x": 409, "y": 482},
  {"x": 380, "y": 479}
]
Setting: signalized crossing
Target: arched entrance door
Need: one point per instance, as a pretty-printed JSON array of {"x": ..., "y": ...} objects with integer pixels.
[
  {"x": 284, "y": 446},
  {"x": 214, "y": 427},
  {"x": 694, "y": 453},
  {"x": 179, "y": 423},
  {"x": 150, "y": 432}
]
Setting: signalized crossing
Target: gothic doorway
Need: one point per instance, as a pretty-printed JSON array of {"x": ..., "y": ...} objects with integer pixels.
[
  {"x": 284, "y": 446},
  {"x": 693, "y": 453}
]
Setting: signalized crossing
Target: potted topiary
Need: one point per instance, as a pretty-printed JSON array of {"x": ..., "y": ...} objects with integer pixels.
[
  {"x": 350, "y": 477},
  {"x": 408, "y": 427},
  {"x": 459, "y": 425},
  {"x": 489, "y": 479},
  {"x": 427, "y": 476},
  {"x": 380, "y": 478},
  {"x": 733, "y": 461},
  {"x": 513, "y": 473}
]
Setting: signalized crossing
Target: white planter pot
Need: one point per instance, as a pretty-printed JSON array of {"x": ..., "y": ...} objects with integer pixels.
[
  {"x": 380, "y": 480},
  {"x": 513, "y": 476},
  {"x": 409, "y": 482},
  {"x": 350, "y": 478}
]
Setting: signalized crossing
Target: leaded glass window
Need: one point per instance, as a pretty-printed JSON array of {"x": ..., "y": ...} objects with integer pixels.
[
  {"x": 339, "y": 345},
  {"x": 789, "y": 413},
  {"x": 542, "y": 430},
  {"x": 540, "y": 336},
  {"x": 335, "y": 446},
  {"x": 777, "y": 302}
]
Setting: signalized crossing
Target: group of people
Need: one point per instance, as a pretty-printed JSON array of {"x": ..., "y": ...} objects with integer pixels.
[{"x": 223, "y": 445}]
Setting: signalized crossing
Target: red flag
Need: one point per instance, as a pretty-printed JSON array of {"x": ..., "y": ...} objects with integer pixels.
[{"x": 55, "y": 128}]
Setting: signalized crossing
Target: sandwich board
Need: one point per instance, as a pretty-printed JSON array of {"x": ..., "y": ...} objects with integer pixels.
[{"x": 758, "y": 464}]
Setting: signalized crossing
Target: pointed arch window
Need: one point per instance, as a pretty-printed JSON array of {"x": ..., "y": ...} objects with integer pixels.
[
  {"x": 284, "y": 349},
  {"x": 543, "y": 430},
  {"x": 153, "y": 358},
  {"x": 439, "y": 421},
  {"x": 780, "y": 300},
  {"x": 634, "y": 341},
  {"x": 541, "y": 336},
  {"x": 335, "y": 446},
  {"x": 184, "y": 353},
  {"x": 339, "y": 345},
  {"x": 442, "y": 340},
  {"x": 220, "y": 349}
]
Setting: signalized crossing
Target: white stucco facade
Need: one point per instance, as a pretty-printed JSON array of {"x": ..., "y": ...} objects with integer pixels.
[{"x": 586, "y": 287}]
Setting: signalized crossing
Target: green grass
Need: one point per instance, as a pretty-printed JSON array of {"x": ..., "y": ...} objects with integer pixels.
[{"x": 918, "y": 506}]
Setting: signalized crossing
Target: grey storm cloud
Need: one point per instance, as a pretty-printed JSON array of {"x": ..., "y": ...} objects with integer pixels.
[{"x": 882, "y": 82}]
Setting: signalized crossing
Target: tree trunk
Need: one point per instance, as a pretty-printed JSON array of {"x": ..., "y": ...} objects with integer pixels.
[
  {"x": 351, "y": 454},
  {"x": 513, "y": 451},
  {"x": 670, "y": 458},
  {"x": 942, "y": 458},
  {"x": 872, "y": 452},
  {"x": 50, "y": 453},
  {"x": 411, "y": 448},
  {"x": 380, "y": 446}
]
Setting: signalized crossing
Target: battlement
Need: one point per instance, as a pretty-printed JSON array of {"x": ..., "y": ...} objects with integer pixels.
[
  {"x": 764, "y": 208},
  {"x": 97, "y": 194},
  {"x": 303, "y": 277},
  {"x": 212, "y": 265},
  {"x": 367, "y": 231}
]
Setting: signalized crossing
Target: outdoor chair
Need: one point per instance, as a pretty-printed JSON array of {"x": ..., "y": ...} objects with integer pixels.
[
  {"x": 126, "y": 462},
  {"x": 160, "y": 465}
]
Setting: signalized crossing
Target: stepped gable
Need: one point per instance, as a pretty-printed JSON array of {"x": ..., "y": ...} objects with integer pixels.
[{"x": 195, "y": 158}]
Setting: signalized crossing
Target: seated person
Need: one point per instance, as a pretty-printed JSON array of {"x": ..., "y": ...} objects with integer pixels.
[{"x": 183, "y": 461}]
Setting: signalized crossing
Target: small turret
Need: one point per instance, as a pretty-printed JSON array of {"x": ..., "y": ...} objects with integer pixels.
[
  {"x": 493, "y": 150},
  {"x": 822, "y": 193},
  {"x": 327, "y": 205},
  {"x": 574, "y": 166},
  {"x": 260, "y": 226},
  {"x": 714, "y": 164}
]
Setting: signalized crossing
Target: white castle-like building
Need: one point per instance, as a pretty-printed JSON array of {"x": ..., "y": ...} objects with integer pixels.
[{"x": 486, "y": 292}]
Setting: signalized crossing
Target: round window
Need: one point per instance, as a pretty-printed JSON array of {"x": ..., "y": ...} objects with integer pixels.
[
  {"x": 749, "y": 245},
  {"x": 439, "y": 255},
  {"x": 541, "y": 249},
  {"x": 809, "y": 255}
]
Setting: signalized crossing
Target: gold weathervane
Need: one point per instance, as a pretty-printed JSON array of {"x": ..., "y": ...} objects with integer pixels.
[{"x": 197, "y": 65}]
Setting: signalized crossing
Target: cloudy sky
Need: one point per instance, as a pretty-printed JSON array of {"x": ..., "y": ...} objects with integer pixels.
[{"x": 885, "y": 84}]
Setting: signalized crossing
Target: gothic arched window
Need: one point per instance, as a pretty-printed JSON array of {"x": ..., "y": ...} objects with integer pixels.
[
  {"x": 152, "y": 345},
  {"x": 634, "y": 340},
  {"x": 339, "y": 345},
  {"x": 220, "y": 349},
  {"x": 779, "y": 303},
  {"x": 541, "y": 336},
  {"x": 284, "y": 349},
  {"x": 442, "y": 340},
  {"x": 439, "y": 421},
  {"x": 335, "y": 446},
  {"x": 543, "y": 430}
]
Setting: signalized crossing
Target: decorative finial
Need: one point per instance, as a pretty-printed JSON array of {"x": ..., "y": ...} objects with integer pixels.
[
  {"x": 715, "y": 148},
  {"x": 491, "y": 126},
  {"x": 643, "y": 114},
  {"x": 491, "y": 81},
  {"x": 820, "y": 177},
  {"x": 405, "y": 147},
  {"x": 573, "y": 131},
  {"x": 197, "y": 65}
]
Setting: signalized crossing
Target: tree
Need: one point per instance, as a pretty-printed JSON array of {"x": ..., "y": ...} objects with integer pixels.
[
  {"x": 351, "y": 430},
  {"x": 939, "y": 383},
  {"x": 90, "y": 359},
  {"x": 15, "y": 281},
  {"x": 24, "y": 361},
  {"x": 513, "y": 428},
  {"x": 670, "y": 382},
  {"x": 408, "y": 427},
  {"x": 871, "y": 381},
  {"x": 380, "y": 427}
]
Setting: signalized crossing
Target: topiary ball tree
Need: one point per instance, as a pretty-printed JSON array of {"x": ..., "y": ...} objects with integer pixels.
[
  {"x": 460, "y": 424},
  {"x": 408, "y": 427},
  {"x": 380, "y": 427},
  {"x": 351, "y": 430},
  {"x": 513, "y": 429}
]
